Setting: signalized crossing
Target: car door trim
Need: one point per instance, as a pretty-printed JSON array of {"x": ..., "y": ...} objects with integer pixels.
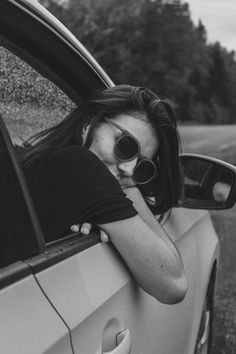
[
  {"x": 13, "y": 273},
  {"x": 54, "y": 253},
  {"x": 62, "y": 249}
]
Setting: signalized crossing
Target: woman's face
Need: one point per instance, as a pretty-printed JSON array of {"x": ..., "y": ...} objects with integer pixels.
[{"x": 105, "y": 137}]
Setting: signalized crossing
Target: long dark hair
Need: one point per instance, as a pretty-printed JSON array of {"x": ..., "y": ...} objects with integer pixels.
[{"x": 165, "y": 190}]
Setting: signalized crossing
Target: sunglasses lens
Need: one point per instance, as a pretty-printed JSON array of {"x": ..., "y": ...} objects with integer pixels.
[
  {"x": 126, "y": 148},
  {"x": 144, "y": 172}
]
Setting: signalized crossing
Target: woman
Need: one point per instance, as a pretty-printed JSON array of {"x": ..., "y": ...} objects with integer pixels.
[{"x": 109, "y": 163}]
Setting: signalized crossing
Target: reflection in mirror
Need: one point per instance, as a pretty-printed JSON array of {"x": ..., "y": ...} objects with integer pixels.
[
  {"x": 220, "y": 192},
  {"x": 207, "y": 184}
]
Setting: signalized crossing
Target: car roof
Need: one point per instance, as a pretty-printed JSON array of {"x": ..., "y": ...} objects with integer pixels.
[{"x": 61, "y": 30}]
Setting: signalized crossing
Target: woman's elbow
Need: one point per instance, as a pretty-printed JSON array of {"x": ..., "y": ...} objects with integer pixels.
[
  {"x": 178, "y": 291},
  {"x": 175, "y": 291},
  {"x": 172, "y": 292}
]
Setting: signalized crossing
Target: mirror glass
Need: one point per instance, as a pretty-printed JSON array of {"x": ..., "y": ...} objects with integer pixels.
[{"x": 207, "y": 184}]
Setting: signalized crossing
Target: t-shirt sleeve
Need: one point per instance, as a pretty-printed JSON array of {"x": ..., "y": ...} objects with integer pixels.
[{"x": 74, "y": 185}]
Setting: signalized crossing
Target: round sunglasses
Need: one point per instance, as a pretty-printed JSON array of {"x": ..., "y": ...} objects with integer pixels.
[{"x": 127, "y": 148}]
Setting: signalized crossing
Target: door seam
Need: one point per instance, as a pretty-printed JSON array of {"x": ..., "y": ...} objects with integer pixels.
[{"x": 72, "y": 347}]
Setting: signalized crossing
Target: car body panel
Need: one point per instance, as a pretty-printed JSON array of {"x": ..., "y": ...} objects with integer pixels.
[
  {"x": 100, "y": 292},
  {"x": 199, "y": 249},
  {"x": 188, "y": 217},
  {"x": 28, "y": 323}
]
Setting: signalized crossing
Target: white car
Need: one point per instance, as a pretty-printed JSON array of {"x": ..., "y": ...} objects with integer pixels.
[{"x": 76, "y": 295}]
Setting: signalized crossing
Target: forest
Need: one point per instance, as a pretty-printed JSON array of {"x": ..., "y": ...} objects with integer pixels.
[{"x": 154, "y": 43}]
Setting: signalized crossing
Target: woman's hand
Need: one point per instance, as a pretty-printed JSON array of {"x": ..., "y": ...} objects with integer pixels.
[
  {"x": 85, "y": 229},
  {"x": 126, "y": 182}
]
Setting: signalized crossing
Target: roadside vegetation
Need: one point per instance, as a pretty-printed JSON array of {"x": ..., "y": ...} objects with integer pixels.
[
  {"x": 155, "y": 43},
  {"x": 151, "y": 43}
]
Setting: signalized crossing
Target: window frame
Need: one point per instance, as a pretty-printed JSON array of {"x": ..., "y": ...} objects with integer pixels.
[
  {"x": 50, "y": 50},
  {"x": 16, "y": 269},
  {"x": 39, "y": 48},
  {"x": 47, "y": 254}
]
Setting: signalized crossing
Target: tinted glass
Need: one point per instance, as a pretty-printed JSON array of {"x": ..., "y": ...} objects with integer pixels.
[
  {"x": 126, "y": 148},
  {"x": 144, "y": 171},
  {"x": 17, "y": 233},
  {"x": 29, "y": 101}
]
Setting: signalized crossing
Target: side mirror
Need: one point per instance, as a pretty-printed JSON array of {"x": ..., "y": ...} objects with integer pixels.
[{"x": 209, "y": 183}]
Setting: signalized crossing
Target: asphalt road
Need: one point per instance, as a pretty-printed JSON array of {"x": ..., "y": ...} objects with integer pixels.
[
  {"x": 224, "y": 340},
  {"x": 220, "y": 142}
]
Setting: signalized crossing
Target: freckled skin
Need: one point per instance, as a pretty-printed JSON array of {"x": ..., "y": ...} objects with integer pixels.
[{"x": 106, "y": 135}]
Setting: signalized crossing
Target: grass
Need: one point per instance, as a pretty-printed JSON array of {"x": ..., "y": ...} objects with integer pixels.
[{"x": 220, "y": 142}]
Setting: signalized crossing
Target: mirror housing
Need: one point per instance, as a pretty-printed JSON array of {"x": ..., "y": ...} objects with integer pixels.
[{"x": 209, "y": 183}]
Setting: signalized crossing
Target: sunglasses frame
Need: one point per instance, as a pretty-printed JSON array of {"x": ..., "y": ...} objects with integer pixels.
[{"x": 141, "y": 157}]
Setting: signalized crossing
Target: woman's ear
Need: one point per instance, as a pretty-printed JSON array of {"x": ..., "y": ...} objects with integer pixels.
[{"x": 85, "y": 132}]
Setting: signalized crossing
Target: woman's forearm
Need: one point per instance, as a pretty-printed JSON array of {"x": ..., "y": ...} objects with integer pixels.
[
  {"x": 148, "y": 252},
  {"x": 144, "y": 212}
]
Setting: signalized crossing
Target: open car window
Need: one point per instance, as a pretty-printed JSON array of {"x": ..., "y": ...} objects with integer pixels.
[
  {"x": 29, "y": 101},
  {"x": 44, "y": 74},
  {"x": 20, "y": 233}
]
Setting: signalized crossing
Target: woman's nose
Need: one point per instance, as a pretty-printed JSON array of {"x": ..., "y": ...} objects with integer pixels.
[{"x": 127, "y": 168}]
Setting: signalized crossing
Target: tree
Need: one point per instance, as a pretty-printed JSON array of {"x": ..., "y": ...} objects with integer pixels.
[{"x": 154, "y": 43}]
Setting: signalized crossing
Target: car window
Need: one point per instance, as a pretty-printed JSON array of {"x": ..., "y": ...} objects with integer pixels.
[
  {"x": 29, "y": 101},
  {"x": 20, "y": 236}
]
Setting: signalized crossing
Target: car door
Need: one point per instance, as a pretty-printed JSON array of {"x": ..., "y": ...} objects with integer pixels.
[
  {"x": 28, "y": 322},
  {"x": 85, "y": 280}
]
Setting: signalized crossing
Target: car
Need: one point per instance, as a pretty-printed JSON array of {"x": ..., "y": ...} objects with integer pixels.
[{"x": 75, "y": 294}]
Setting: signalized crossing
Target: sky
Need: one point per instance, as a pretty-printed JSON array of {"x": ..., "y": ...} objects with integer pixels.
[{"x": 219, "y": 19}]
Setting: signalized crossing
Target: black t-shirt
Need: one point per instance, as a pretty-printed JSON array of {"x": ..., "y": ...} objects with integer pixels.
[{"x": 72, "y": 185}]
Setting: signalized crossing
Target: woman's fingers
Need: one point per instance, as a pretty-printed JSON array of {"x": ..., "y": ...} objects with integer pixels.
[
  {"x": 104, "y": 236},
  {"x": 75, "y": 228},
  {"x": 85, "y": 228}
]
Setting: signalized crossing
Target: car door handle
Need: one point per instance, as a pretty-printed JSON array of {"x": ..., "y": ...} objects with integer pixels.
[{"x": 123, "y": 340}]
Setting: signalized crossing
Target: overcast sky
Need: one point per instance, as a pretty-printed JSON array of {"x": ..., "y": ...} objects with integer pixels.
[{"x": 219, "y": 18}]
